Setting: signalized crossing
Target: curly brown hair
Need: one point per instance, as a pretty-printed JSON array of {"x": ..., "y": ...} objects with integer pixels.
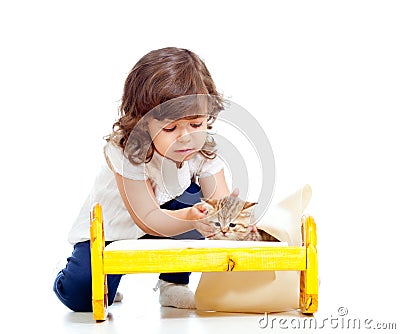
[{"x": 163, "y": 75}]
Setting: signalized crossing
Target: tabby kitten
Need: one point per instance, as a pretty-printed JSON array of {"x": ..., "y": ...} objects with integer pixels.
[{"x": 233, "y": 219}]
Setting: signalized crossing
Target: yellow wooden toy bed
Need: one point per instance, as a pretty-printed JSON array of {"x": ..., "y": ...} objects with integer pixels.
[{"x": 134, "y": 256}]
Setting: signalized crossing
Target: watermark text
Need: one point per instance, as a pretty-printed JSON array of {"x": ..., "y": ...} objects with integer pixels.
[{"x": 341, "y": 320}]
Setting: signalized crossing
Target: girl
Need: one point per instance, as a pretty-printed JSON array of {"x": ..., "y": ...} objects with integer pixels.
[{"x": 159, "y": 161}]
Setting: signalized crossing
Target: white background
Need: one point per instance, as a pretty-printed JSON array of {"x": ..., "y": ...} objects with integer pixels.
[{"x": 321, "y": 77}]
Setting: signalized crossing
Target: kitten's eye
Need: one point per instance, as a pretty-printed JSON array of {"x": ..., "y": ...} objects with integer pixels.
[
  {"x": 232, "y": 225},
  {"x": 217, "y": 224}
]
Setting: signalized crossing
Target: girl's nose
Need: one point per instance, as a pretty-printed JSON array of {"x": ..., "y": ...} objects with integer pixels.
[
  {"x": 184, "y": 136},
  {"x": 184, "y": 139}
]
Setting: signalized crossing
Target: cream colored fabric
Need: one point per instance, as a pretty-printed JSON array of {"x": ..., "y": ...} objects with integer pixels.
[{"x": 260, "y": 291}]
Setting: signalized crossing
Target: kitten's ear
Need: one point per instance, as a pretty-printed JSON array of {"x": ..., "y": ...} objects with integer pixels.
[
  {"x": 235, "y": 192},
  {"x": 212, "y": 202},
  {"x": 248, "y": 205}
]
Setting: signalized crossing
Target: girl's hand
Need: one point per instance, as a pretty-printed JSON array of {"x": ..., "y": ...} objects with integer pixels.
[
  {"x": 197, "y": 214},
  {"x": 197, "y": 211}
]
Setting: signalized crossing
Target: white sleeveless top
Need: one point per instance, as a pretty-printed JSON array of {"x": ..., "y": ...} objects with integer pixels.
[{"x": 167, "y": 181}]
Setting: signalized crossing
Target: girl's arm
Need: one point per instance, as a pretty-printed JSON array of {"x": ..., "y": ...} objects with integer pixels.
[
  {"x": 139, "y": 199},
  {"x": 214, "y": 186}
]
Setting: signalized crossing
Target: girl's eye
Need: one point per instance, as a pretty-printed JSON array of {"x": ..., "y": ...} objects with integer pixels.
[
  {"x": 169, "y": 129},
  {"x": 217, "y": 224},
  {"x": 232, "y": 225},
  {"x": 196, "y": 125}
]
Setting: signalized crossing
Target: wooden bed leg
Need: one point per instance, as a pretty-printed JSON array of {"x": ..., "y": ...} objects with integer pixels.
[
  {"x": 99, "y": 281},
  {"x": 309, "y": 277}
]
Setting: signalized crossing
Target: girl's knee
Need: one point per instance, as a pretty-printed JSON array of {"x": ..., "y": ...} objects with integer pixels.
[{"x": 74, "y": 293}]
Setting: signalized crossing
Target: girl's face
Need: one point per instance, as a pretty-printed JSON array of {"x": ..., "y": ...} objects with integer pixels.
[{"x": 179, "y": 140}]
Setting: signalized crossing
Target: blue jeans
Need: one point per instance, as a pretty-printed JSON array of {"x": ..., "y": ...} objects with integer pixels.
[{"x": 73, "y": 284}]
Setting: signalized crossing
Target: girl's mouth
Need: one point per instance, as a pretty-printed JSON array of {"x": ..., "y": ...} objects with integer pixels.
[{"x": 185, "y": 151}]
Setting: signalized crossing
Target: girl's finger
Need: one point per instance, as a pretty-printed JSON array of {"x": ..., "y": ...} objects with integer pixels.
[{"x": 201, "y": 208}]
